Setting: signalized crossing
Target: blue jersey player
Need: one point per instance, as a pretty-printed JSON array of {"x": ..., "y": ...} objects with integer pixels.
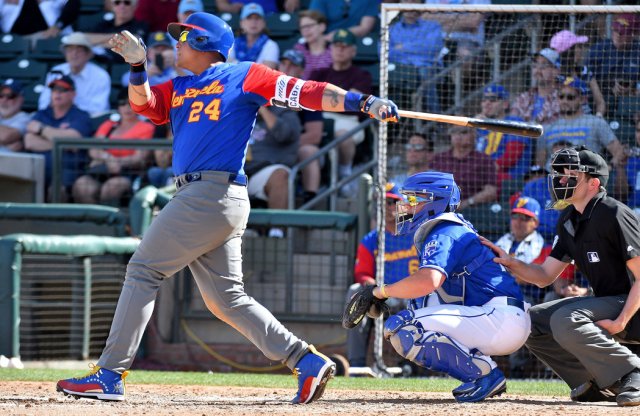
[
  {"x": 474, "y": 308},
  {"x": 212, "y": 113}
]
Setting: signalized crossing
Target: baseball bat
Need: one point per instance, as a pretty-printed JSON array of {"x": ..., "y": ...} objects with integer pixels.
[{"x": 517, "y": 128}]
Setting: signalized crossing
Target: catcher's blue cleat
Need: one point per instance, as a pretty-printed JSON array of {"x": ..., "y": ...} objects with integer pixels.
[
  {"x": 493, "y": 384},
  {"x": 100, "y": 384},
  {"x": 313, "y": 372}
]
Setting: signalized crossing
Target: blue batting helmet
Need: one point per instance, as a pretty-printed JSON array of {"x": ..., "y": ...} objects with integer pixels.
[
  {"x": 437, "y": 190},
  {"x": 208, "y": 33}
]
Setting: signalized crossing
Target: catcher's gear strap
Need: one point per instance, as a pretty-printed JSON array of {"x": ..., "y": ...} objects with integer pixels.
[
  {"x": 290, "y": 100},
  {"x": 433, "y": 350}
]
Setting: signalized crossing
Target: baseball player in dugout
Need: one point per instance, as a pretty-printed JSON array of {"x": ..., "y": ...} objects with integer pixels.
[
  {"x": 474, "y": 307},
  {"x": 587, "y": 340},
  {"x": 212, "y": 114}
]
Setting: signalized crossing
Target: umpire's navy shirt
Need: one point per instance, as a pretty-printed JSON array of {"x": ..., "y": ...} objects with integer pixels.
[{"x": 600, "y": 241}]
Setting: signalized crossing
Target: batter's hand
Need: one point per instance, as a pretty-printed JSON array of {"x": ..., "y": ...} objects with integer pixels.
[
  {"x": 380, "y": 109},
  {"x": 131, "y": 48},
  {"x": 502, "y": 256}
]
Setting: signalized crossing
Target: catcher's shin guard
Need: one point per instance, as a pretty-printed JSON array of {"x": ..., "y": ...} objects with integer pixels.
[{"x": 433, "y": 350}]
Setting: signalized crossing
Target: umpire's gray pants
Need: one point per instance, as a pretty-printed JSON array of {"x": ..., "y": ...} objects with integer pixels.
[
  {"x": 565, "y": 337},
  {"x": 201, "y": 227}
]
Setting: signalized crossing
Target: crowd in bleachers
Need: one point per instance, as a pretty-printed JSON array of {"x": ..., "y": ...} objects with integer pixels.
[{"x": 59, "y": 79}]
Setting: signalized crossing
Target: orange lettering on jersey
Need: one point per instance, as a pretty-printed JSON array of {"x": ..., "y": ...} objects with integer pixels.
[{"x": 212, "y": 89}]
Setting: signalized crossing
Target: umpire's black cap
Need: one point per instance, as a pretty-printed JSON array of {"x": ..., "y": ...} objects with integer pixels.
[{"x": 595, "y": 164}]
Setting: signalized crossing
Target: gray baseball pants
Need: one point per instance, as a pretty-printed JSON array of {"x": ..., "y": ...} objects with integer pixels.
[
  {"x": 565, "y": 337},
  {"x": 201, "y": 227}
]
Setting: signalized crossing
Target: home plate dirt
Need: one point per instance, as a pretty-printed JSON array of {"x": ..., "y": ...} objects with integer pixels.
[{"x": 38, "y": 398}]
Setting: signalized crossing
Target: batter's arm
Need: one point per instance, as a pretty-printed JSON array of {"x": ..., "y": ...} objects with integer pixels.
[
  {"x": 541, "y": 275},
  {"x": 631, "y": 306},
  {"x": 421, "y": 283}
]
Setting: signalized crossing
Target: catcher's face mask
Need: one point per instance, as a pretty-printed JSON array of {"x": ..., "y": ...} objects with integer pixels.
[
  {"x": 408, "y": 211},
  {"x": 563, "y": 179}
]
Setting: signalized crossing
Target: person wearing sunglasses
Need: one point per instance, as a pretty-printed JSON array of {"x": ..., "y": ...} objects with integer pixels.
[
  {"x": 418, "y": 154},
  {"x": 512, "y": 154},
  {"x": 578, "y": 128},
  {"x": 212, "y": 114},
  {"x": 13, "y": 121}
]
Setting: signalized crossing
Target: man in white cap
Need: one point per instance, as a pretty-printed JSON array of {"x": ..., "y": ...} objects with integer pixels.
[{"x": 93, "y": 84}]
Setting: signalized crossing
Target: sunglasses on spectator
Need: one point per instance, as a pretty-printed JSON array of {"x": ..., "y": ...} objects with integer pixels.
[
  {"x": 60, "y": 89},
  {"x": 416, "y": 147},
  {"x": 9, "y": 96},
  {"x": 569, "y": 97},
  {"x": 308, "y": 26},
  {"x": 492, "y": 98},
  {"x": 521, "y": 217},
  {"x": 123, "y": 102},
  {"x": 119, "y": 2}
]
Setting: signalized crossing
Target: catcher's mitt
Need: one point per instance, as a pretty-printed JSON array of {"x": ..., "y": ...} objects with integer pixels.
[{"x": 361, "y": 304}]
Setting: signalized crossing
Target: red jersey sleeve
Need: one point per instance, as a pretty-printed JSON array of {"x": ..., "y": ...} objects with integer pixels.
[
  {"x": 157, "y": 109},
  {"x": 261, "y": 80},
  {"x": 365, "y": 265}
]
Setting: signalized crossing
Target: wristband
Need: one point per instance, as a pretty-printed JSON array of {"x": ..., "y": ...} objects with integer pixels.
[
  {"x": 383, "y": 292},
  {"x": 352, "y": 101},
  {"x": 138, "y": 74}
]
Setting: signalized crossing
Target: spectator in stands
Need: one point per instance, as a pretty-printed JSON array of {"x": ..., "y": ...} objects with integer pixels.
[
  {"x": 571, "y": 48},
  {"x": 269, "y": 6},
  {"x": 123, "y": 19},
  {"x": 187, "y": 8},
  {"x": 540, "y": 103},
  {"x": 418, "y": 157},
  {"x": 111, "y": 172},
  {"x": 13, "y": 121},
  {"x": 609, "y": 59},
  {"x": 60, "y": 119},
  {"x": 161, "y": 173},
  {"x": 512, "y": 154},
  {"x": 92, "y": 83},
  {"x": 317, "y": 54},
  {"x": 417, "y": 43},
  {"x": 628, "y": 180},
  {"x": 351, "y": 78},
  {"x": 161, "y": 60},
  {"x": 292, "y": 64},
  {"x": 475, "y": 172},
  {"x": 159, "y": 13},
  {"x": 576, "y": 127},
  {"x": 253, "y": 44},
  {"x": 39, "y": 19},
  {"x": 273, "y": 149},
  {"x": 401, "y": 260},
  {"x": 357, "y": 16}
]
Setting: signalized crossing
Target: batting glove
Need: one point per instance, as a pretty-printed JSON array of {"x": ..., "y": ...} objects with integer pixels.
[
  {"x": 379, "y": 108},
  {"x": 131, "y": 48}
]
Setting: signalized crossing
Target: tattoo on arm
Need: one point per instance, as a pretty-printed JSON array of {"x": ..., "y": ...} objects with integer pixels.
[{"x": 333, "y": 97}]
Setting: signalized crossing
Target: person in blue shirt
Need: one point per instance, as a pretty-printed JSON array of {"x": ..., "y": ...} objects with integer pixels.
[
  {"x": 358, "y": 16},
  {"x": 474, "y": 308},
  {"x": 60, "y": 119}
]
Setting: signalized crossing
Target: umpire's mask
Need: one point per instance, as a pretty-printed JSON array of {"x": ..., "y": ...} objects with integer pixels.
[{"x": 578, "y": 159}]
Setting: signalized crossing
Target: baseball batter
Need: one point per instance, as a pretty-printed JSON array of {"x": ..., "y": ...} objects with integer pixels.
[
  {"x": 474, "y": 308},
  {"x": 212, "y": 114}
]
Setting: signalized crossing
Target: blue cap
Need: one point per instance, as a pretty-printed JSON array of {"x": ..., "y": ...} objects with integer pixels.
[
  {"x": 296, "y": 57},
  {"x": 251, "y": 8},
  {"x": 190, "y": 6},
  {"x": 158, "y": 39},
  {"x": 13, "y": 84},
  {"x": 576, "y": 83},
  {"x": 527, "y": 206},
  {"x": 496, "y": 89}
]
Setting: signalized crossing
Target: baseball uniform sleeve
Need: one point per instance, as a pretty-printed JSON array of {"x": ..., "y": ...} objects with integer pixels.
[{"x": 157, "y": 109}]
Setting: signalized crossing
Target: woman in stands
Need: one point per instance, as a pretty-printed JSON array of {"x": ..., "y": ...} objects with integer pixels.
[
  {"x": 315, "y": 48},
  {"x": 253, "y": 44}
]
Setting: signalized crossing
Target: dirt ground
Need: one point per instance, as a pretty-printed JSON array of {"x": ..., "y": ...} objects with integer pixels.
[{"x": 35, "y": 398}]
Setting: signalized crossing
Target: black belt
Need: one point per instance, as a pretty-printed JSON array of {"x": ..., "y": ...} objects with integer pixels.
[
  {"x": 234, "y": 178},
  {"x": 515, "y": 302}
]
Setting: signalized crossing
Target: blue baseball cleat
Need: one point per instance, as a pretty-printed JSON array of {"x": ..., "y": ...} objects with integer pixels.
[
  {"x": 313, "y": 372},
  {"x": 100, "y": 384},
  {"x": 493, "y": 384}
]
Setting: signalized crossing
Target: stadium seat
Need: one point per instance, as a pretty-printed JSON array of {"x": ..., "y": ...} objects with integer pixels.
[
  {"x": 24, "y": 69},
  {"x": 48, "y": 50},
  {"x": 232, "y": 20},
  {"x": 282, "y": 25},
  {"x": 91, "y": 6},
  {"x": 374, "y": 70},
  {"x": 89, "y": 22},
  {"x": 31, "y": 94},
  {"x": 12, "y": 46},
  {"x": 116, "y": 74},
  {"x": 287, "y": 43},
  {"x": 368, "y": 51}
]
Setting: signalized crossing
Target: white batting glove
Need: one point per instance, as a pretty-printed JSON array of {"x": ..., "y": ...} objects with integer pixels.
[
  {"x": 380, "y": 108},
  {"x": 131, "y": 48}
]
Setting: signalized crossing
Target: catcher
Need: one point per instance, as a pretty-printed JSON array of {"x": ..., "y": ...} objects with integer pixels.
[{"x": 474, "y": 308}]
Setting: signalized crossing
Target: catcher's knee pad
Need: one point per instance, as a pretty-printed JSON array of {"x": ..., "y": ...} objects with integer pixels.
[
  {"x": 397, "y": 321},
  {"x": 440, "y": 352}
]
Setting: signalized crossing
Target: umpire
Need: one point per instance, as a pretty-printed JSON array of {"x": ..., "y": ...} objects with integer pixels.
[{"x": 586, "y": 340}]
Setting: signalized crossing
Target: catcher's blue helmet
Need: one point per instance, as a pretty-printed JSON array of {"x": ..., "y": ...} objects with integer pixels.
[
  {"x": 437, "y": 190},
  {"x": 208, "y": 33}
]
